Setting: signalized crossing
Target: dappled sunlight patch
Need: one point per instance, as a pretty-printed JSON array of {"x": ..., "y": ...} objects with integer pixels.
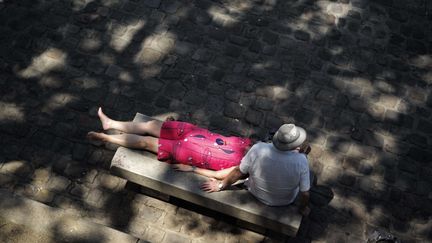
[
  {"x": 240, "y": 6},
  {"x": 126, "y": 77},
  {"x": 51, "y": 82},
  {"x": 275, "y": 92},
  {"x": 416, "y": 95},
  {"x": 307, "y": 26},
  {"x": 339, "y": 10},
  {"x": 154, "y": 48},
  {"x": 221, "y": 16},
  {"x": 78, "y": 5},
  {"x": 122, "y": 34},
  {"x": 389, "y": 100},
  {"x": 422, "y": 61},
  {"x": 427, "y": 77},
  {"x": 11, "y": 112},
  {"x": 107, "y": 58},
  {"x": 52, "y": 59},
  {"x": 16, "y": 167},
  {"x": 385, "y": 86},
  {"x": 57, "y": 101},
  {"x": 150, "y": 71},
  {"x": 148, "y": 56},
  {"x": 91, "y": 44}
]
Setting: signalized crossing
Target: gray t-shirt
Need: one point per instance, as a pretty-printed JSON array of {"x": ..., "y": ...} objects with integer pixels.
[{"x": 275, "y": 177}]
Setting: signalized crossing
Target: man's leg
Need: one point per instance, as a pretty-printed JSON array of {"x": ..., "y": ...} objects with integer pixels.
[
  {"x": 127, "y": 140},
  {"x": 151, "y": 127}
]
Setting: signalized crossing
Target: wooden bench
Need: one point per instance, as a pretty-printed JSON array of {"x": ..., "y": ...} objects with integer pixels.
[{"x": 143, "y": 168}]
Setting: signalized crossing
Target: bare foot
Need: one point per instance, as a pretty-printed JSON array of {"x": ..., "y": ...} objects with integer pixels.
[
  {"x": 96, "y": 136},
  {"x": 106, "y": 121}
]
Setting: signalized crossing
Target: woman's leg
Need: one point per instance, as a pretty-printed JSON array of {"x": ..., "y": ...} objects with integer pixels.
[
  {"x": 127, "y": 140},
  {"x": 151, "y": 127}
]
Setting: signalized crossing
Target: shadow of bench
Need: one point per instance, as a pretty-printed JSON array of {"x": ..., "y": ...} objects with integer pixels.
[{"x": 144, "y": 169}]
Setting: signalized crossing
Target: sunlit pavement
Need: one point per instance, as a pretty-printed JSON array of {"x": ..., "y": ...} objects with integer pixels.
[{"x": 355, "y": 73}]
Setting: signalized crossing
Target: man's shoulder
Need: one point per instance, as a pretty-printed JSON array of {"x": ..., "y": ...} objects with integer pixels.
[{"x": 261, "y": 146}]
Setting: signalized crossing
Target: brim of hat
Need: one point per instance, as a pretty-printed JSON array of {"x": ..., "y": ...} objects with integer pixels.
[{"x": 290, "y": 146}]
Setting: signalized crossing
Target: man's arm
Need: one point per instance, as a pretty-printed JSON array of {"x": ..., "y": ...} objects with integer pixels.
[
  {"x": 304, "y": 203},
  {"x": 214, "y": 185}
]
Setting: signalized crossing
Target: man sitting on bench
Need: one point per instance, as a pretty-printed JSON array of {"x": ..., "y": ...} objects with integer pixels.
[{"x": 276, "y": 173}]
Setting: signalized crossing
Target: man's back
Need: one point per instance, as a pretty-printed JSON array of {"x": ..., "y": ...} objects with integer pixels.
[{"x": 275, "y": 176}]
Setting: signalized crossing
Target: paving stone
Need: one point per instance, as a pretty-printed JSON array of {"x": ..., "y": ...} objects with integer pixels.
[
  {"x": 405, "y": 182},
  {"x": 200, "y": 18},
  {"x": 396, "y": 147},
  {"x": 234, "y": 110},
  {"x": 238, "y": 40},
  {"x": 195, "y": 98},
  {"x": 79, "y": 151},
  {"x": 42, "y": 139},
  {"x": 264, "y": 104},
  {"x": 57, "y": 183},
  {"x": 425, "y": 126},
  {"x": 373, "y": 139},
  {"x": 94, "y": 198},
  {"x": 420, "y": 155},
  {"x": 174, "y": 237},
  {"x": 150, "y": 214},
  {"x": 152, "y": 3},
  {"x": 17, "y": 167},
  {"x": 254, "y": 117},
  {"x": 80, "y": 191},
  {"x": 7, "y": 181},
  {"x": 423, "y": 188},
  {"x": 361, "y": 151},
  {"x": 233, "y": 51},
  {"x": 149, "y": 56},
  {"x": 202, "y": 55},
  {"x": 338, "y": 144},
  {"x": 302, "y": 35},
  {"x": 256, "y": 47},
  {"x": 327, "y": 96},
  {"x": 75, "y": 170},
  {"x": 270, "y": 38},
  {"x": 368, "y": 114},
  {"x": 175, "y": 90},
  {"x": 41, "y": 176},
  {"x": 109, "y": 182}
]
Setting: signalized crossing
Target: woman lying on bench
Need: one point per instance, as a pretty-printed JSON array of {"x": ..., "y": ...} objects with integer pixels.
[{"x": 191, "y": 148}]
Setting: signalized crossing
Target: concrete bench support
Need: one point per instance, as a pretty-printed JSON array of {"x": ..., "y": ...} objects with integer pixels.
[{"x": 143, "y": 168}]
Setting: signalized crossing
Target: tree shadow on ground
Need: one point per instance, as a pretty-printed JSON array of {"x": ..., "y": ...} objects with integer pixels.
[{"x": 356, "y": 74}]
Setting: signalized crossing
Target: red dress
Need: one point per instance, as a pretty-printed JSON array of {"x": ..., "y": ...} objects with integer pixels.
[{"x": 185, "y": 143}]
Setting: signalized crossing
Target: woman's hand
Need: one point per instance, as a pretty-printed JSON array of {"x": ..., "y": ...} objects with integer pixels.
[
  {"x": 183, "y": 168},
  {"x": 211, "y": 185}
]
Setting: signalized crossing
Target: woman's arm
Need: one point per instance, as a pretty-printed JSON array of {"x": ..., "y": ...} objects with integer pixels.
[
  {"x": 214, "y": 185},
  {"x": 219, "y": 174}
]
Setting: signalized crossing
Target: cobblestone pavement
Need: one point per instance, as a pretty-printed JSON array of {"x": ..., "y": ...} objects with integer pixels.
[{"x": 355, "y": 73}]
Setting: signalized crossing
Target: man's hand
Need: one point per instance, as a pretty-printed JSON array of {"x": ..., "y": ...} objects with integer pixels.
[
  {"x": 211, "y": 185},
  {"x": 305, "y": 211}
]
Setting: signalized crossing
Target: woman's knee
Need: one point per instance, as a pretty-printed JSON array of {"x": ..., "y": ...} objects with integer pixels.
[
  {"x": 153, "y": 127},
  {"x": 148, "y": 143}
]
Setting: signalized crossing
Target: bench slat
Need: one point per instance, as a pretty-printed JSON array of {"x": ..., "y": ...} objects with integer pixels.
[{"x": 144, "y": 169}]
